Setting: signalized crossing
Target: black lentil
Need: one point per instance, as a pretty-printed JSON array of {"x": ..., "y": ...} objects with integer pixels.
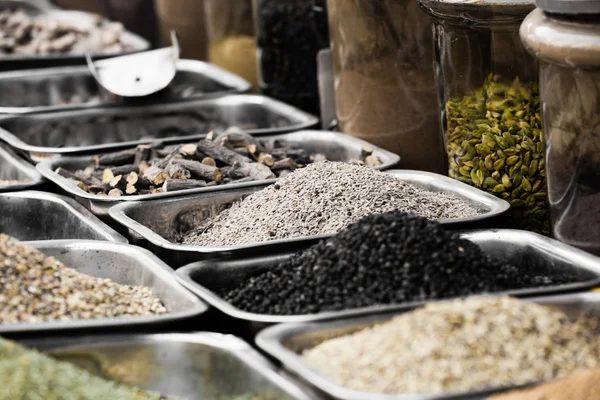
[{"x": 383, "y": 259}]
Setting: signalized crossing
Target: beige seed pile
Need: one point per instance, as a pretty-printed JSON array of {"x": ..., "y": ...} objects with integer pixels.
[
  {"x": 36, "y": 288},
  {"x": 458, "y": 346},
  {"x": 322, "y": 198}
]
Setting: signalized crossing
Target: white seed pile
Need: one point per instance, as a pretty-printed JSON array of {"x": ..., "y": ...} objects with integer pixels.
[
  {"x": 322, "y": 198},
  {"x": 36, "y": 288},
  {"x": 460, "y": 345}
]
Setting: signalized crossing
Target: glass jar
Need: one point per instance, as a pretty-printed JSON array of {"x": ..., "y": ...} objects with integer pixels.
[
  {"x": 565, "y": 37},
  {"x": 385, "y": 89},
  {"x": 232, "y": 45},
  {"x": 490, "y": 104},
  {"x": 290, "y": 33},
  {"x": 187, "y": 18}
]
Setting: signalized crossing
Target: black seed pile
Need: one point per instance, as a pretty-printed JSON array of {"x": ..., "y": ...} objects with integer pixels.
[{"x": 384, "y": 259}]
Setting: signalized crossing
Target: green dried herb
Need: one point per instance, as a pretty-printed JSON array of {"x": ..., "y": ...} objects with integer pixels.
[
  {"x": 495, "y": 143},
  {"x": 27, "y": 374}
]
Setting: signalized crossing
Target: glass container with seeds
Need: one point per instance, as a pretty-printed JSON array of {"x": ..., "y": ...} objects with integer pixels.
[
  {"x": 384, "y": 78},
  {"x": 490, "y": 103},
  {"x": 565, "y": 37},
  {"x": 290, "y": 33},
  {"x": 232, "y": 44}
]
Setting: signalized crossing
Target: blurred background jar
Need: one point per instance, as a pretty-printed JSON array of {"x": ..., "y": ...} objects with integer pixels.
[
  {"x": 232, "y": 45},
  {"x": 565, "y": 37},
  {"x": 290, "y": 33},
  {"x": 384, "y": 78},
  {"x": 187, "y": 18},
  {"x": 490, "y": 104}
]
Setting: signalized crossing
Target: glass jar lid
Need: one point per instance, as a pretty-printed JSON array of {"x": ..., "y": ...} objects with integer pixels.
[{"x": 563, "y": 40}]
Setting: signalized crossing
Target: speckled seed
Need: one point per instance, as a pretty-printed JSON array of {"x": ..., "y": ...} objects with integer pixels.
[
  {"x": 460, "y": 345},
  {"x": 36, "y": 288}
]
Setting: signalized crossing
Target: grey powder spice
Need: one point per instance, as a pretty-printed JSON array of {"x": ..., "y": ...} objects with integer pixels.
[
  {"x": 322, "y": 198},
  {"x": 460, "y": 345}
]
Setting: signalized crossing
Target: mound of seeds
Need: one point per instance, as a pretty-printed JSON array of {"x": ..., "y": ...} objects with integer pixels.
[
  {"x": 580, "y": 385},
  {"x": 323, "y": 198},
  {"x": 26, "y": 374},
  {"x": 383, "y": 259},
  {"x": 36, "y": 288},
  {"x": 458, "y": 346}
]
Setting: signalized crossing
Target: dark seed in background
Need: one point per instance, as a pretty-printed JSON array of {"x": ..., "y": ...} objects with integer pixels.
[{"x": 384, "y": 259}]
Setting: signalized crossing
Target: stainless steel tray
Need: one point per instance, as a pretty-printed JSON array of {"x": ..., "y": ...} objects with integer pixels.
[
  {"x": 13, "y": 167},
  {"x": 157, "y": 224},
  {"x": 32, "y": 215},
  {"x": 190, "y": 366},
  {"x": 45, "y": 8},
  {"x": 49, "y": 89},
  {"x": 336, "y": 146},
  {"x": 124, "y": 264},
  {"x": 102, "y": 129},
  {"x": 519, "y": 248},
  {"x": 285, "y": 342}
]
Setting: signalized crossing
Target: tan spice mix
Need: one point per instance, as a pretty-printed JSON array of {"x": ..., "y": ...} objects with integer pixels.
[
  {"x": 36, "y": 288},
  {"x": 460, "y": 345}
]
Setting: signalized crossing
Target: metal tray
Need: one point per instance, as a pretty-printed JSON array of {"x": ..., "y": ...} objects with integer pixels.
[
  {"x": 157, "y": 224},
  {"x": 336, "y": 146},
  {"x": 31, "y": 215},
  {"x": 46, "y": 9},
  {"x": 13, "y": 167},
  {"x": 102, "y": 129},
  {"x": 126, "y": 265},
  {"x": 190, "y": 366},
  {"x": 516, "y": 247},
  {"x": 49, "y": 89},
  {"x": 284, "y": 342}
]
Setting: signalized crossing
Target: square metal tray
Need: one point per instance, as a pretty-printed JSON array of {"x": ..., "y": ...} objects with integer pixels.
[
  {"x": 123, "y": 264},
  {"x": 520, "y": 248},
  {"x": 46, "y": 9},
  {"x": 49, "y": 89},
  {"x": 191, "y": 366},
  {"x": 285, "y": 342},
  {"x": 31, "y": 216},
  {"x": 157, "y": 224},
  {"x": 336, "y": 146},
  {"x": 102, "y": 129},
  {"x": 13, "y": 167}
]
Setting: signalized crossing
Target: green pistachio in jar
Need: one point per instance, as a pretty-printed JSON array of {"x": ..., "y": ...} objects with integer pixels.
[{"x": 495, "y": 142}]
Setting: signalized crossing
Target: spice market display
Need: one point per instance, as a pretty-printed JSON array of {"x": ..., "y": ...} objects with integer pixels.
[{"x": 467, "y": 265}]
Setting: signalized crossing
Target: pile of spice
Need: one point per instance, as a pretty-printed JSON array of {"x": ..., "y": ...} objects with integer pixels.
[
  {"x": 36, "y": 288},
  {"x": 12, "y": 181},
  {"x": 232, "y": 157},
  {"x": 580, "y": 385},
  {"x": 495, "y": 142},
  {"x": 22, "y": 33},
  {"x": 458, "y": 346},
  {"x": 383, "y": 259},
  {"x": 323, "y": 198},
  {"x": 27, "y": 374}
]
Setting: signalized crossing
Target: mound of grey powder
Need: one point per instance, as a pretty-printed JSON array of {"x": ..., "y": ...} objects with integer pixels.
[{"x": 322, "y": 198}]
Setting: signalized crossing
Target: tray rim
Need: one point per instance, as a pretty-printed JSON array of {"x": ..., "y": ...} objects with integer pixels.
[
  {"x": 270, "y": 341},
  {"x": 72, "y": 207},
  {"x": 508, "y": 236},
  {"x": 235, "y": 84},
  {"x": 147, "y": 261},
  {"x": 497, "y": 207},
  {"x": 302, "y": 119},
  {"x": 236, "y": 346},
  {"x": 34, "y": 175}
]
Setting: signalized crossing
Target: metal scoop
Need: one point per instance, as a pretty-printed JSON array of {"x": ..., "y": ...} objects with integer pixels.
[{"x": 137, "y": 75}]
